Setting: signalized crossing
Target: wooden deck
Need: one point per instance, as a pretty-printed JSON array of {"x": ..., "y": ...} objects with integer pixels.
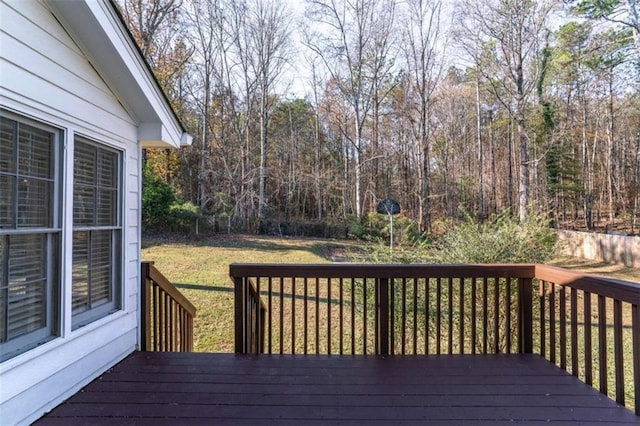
[{"x": 196, "y": 388}]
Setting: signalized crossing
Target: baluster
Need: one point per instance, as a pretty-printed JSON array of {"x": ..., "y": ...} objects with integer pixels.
[
  {"x": 541, "y": 298},
  {"x": 306, "y": 314},
  {"x": 415, "y": 316},
  {"x": 508, "y": 315},
  {"x": 281, "y": 331},
  {"x": 403, "y": 330},
  {"x": 461, "y": 296},
  {"x": 329, "y": 283},
  {"x": 364, "y": 316},
  {"x": 258, "y": 316},
  {"x": 552, "y": 323},
  {"x": 496, "y": 316},
  {"x": 317, "y": 315},
  {"x": 588, "y": 355},
  {"x": 392, "y": 319},
  {"x": 617, "y": 348},
  {"x": 269, "y": 317},
  {"x": 438, "y": 314},
  {"x": 563, "y": 329},
  {"x": 341, "y": 297},
  {"x": 635, "y": 332},
  {"x": 574, "y": 332},
  {"x": 293, "y": 315},
  {"x": 426, "y": 316},
  {"x": 485, "y": 314},
  {"x": 450, "y": 314},
  {"x": 353, "y": 317},
  {"x": 602, "y": 344},
  {"x": 473, "y": 315}
]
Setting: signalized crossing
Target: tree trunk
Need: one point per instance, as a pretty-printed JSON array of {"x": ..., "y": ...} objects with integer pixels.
[
  {"x": 262, "y": 172},
  {"x": 480, "y": 151}
]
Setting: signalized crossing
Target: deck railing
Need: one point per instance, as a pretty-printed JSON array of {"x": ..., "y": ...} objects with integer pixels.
[
  {"x": 445, "y": 309},
  {"x": 250, "y": 315},
  {"x": 167, "y": 316},
  {"x": 590, "y": 327}
]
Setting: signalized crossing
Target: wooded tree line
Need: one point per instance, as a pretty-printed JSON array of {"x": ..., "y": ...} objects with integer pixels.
[{"x": 476, "y": 105}]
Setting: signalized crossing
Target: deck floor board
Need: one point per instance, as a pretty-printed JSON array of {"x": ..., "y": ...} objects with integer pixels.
[{"x": 170, "y": 388}]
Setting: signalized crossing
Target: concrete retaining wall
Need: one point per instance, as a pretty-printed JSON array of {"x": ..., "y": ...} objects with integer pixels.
[{"x": 608, "y": 248}]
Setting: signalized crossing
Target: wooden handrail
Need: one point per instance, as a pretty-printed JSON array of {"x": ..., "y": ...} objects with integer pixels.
[
  {"x": 349, "y": 270},
  {"x": 623, "y": 291},
  {"x": 167, "y": 315},
  {"x": 425, "y": 309}
]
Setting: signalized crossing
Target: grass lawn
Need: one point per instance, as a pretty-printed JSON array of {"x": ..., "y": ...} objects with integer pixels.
[{"x": 199, "y": 268}]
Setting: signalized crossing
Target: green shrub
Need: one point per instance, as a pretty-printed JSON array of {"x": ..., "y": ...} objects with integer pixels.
[
  {"x": 161, "y": 208},
  {"x": 183, "y": 216},
  {"x": 501, "y": 239},
  {"x": 378, "y": 227},
  {"x": 157, "y": 199},
  {"x": 355, "y": 228}
]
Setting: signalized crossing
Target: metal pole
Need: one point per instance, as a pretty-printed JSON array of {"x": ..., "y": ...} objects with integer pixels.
[{"x": 391, "y": 239}]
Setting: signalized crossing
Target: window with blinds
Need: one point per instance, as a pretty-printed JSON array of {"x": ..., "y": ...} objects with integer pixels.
[
  {"x": 96, "y": 276},
  {"x": 29, "y": 234}
]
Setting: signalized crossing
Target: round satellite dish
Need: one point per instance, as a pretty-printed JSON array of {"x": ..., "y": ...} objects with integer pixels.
[{"x": 388, "y": 206}]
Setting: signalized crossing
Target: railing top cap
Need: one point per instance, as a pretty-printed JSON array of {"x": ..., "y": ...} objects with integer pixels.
[
  {"x": 355, "y": 270},
  {"x": 618, "y": 289}
]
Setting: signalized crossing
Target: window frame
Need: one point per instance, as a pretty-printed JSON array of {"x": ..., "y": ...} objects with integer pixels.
[
  {"x": 114, "y": 304},
  {"x": 52, "y": 234}
]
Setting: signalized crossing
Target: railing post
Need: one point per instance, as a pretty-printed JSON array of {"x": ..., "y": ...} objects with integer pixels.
[
  {"x": 525, "y": 314},
  {"x": 239, "y": 321},
  {"x": 145, "y": 308},
  {"x": 382, "y": 299},
  {"x": 263, "y": 314}
]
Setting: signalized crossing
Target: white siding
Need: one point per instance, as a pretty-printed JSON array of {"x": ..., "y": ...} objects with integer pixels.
[
  {"x": 43, "y": 68},
  {"x": 45, "y": 76}
]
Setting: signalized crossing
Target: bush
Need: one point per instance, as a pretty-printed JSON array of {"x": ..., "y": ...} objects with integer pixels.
[
  {"x": 501, "y": 239},
  {"x": 157, "y": 199},
  {"x": 161, "y": 209},
  {"x": 182, "y": 216},
  {"x": 355, "y": 228},
  {"x": 377, "y": 227},
  {"x": 408, "y": 243}
]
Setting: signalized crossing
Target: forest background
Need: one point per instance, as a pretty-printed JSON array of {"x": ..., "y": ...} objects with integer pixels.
[{"x": 305, "y": 116}]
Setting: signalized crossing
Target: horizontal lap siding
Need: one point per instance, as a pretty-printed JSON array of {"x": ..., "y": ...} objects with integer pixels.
[
  {"x": 42, "y": 66},
  {"x": 46, "y": 76}
]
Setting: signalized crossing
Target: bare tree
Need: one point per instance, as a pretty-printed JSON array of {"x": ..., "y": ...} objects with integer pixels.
[
  {"x": 315, "y": 83},
  {"x": 345, "y": 37},
  {"x": 205, "y": 18},
  {"x": 153, "y": 24},
  {"x": 423, "y": 52},
  {"x": 513, "y": 32},
  {"x": 269, "y": 44}
]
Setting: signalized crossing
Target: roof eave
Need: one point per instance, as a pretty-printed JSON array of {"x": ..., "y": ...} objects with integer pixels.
[{"x": 98, "y": 29}]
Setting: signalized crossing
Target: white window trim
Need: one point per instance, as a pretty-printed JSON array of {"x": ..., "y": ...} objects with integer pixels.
[
  {"x": 66, "y": 133},
  {"x": 54, "y": 297},
  {"x": 118, "y": 267}
]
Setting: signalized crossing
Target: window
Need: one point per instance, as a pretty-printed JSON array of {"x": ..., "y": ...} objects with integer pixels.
[
  {"x": 29, "y": 234},
  {"x": 97, "y": 247}
]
